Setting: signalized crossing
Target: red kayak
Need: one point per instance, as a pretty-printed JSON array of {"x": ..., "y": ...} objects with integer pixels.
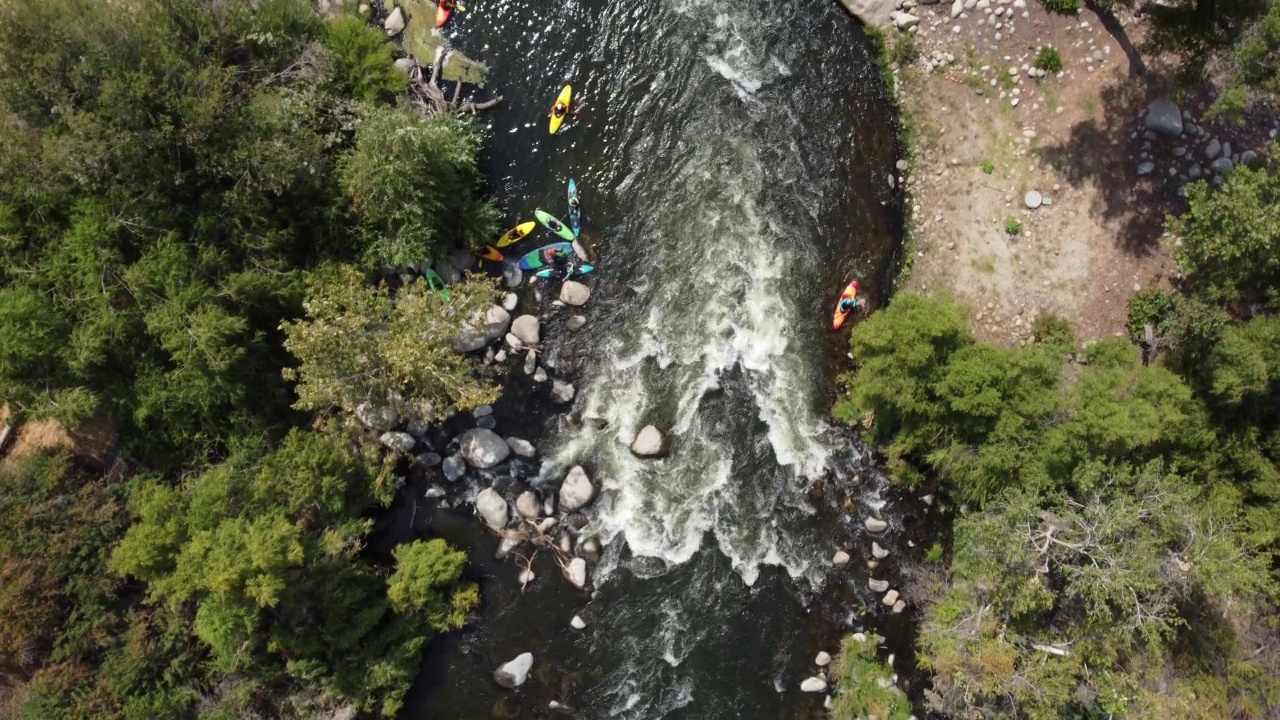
[
  {"x": 443, "y": 10},
  {"x": 850, "y": 293}
]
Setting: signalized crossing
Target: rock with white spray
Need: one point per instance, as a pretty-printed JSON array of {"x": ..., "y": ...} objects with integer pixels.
[
  {"x": 576, "y": 573},
  {"x": 528, "y": 506},
  {"x": 813, "y": 685},
  {"x": 875, "y": 525},
  {"x": 576, "y": 490},
  {"x": 649, "y": 442},
  {"x": 527, "y": 329},
  {"x": 562, "y": 392},
  {"x": 574, "y": 293},
  {"x": 492, "y": 508}
]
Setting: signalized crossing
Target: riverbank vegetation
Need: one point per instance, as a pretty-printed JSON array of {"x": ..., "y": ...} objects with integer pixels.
[
  {"x": 194, "y": 200},
  {"x": 1116, "y": 508}
]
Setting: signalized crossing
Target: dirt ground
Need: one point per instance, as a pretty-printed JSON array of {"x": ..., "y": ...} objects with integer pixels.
[
  {"x": 1098, "y": 238},
  {"x": 93, "y": 440}
]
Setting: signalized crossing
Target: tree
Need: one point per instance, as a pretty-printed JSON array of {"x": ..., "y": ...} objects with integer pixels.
[
  {"x": 360, "y": 344},
  {"x": 426, "y": 581},
  {"x": 364, "y": 62},
  {"x": 1230, "y": 237},
  {"x": 413, "y": 182}
]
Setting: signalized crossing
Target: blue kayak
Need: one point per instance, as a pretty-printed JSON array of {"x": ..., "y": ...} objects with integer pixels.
[
  {"x": 545, "y": 257},
  {"x": 575, "y": 210}
]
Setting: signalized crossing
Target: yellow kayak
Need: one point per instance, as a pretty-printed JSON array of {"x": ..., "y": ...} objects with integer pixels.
[
  {"x": 516, "y": 234},
  {"x": 565, "y": 96}
]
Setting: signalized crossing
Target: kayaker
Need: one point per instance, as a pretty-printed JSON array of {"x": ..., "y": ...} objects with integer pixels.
[
  {"x": 555, "y": 226},
  {"x": 573, "y": 203},
  {"x": 559, "y": 110},
  {"x": 848, "y": 305}
]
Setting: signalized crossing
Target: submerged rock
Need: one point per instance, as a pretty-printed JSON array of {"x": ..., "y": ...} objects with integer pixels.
[
  {"x": 492, "y": 508},
  {"x": 562, "y": 392},
  {"x": 577, "y": 322},
  {"x": 512, "y": 674},
  {"x": 483, "y": 448},
  {"x": 649, "y": 442},
  {"x": 576, "y": 490}
]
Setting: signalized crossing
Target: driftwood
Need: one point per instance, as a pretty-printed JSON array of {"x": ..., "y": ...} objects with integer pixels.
[{"x": 426, "y": 95}]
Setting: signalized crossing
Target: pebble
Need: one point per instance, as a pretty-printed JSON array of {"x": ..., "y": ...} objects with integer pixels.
[{"x": 1014, "y": 102}]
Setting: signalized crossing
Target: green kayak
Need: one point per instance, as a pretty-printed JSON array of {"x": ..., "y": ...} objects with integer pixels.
[{"x": 550, "y": 222}]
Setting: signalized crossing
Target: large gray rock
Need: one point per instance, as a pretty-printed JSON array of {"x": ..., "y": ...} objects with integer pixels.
[
  {"x": 377, "y": 418},
  {"x": 870, "y": 12},
  {"x": 521, "y": 447},
  {"x": 1222, "y": 166},
  {"x": 562, "y": 392},
  {"x": 483, "y": 448},
  {"x": 576, "y": 490},
  {"x": 1165, "y": 118},
  {"x": 453, "y": 468},
  {"x": 528, "y": 506},
  {"x": 1213, "y": 149},
  {"x": 394, "y": 22},
  {"x": 576, "y": 573},
  {"x": 512, "y": 675},
  {"x": 483, "y": 330},
  {"x": 492, "y": 508},
  {"x": 1249, "y": 159},
  {"x": 527, "y": 329},
  {"x": 813, "y": 685},
  {"x": 903, "y": 20},
  {"x": 397, "y": 442},
  {"x": 574, "y": 293},
  {"x": 649, "y": 442}
]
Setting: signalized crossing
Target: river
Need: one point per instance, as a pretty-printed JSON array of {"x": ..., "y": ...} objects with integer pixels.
[{"x": 733, "y": 158}]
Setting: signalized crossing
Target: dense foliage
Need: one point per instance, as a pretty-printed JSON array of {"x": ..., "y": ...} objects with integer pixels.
[
  {"x": 184, "y": 185},
  {"x": 864, "y": 686},
  {"x": 1120, "y": 517}
]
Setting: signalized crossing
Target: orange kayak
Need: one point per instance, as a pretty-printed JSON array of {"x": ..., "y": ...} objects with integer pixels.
[
  {"x": 489, "y": 253},
  {"x": 442, "y": 13},
  {"x": 851, "y": 293}
]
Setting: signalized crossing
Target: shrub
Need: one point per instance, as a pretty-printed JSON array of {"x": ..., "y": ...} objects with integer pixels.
[
  {"x": 1049, "y": 59},
  {"x": 988, "y": 167},
  {"x": 363, "y": 60},
  {"x": 860, "y": 684},
  {"x": 1062, "y": 7},
  {"x": 1050, "y": 329},
  {"x": 904, "y": 50},
  {"x": 1149, "y": 305},
  {"x": 1012, "y": 225}
]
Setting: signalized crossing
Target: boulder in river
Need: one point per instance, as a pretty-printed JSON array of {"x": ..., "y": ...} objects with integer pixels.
[
  {"x": 512, "y": 674},
  {"x": 590, "y": 548},
  {"x": 510, "y": 301},
  {"x": 527, "y": 329},
  {"x": 483, "y": 448},
  {"x": 877, "y": 585},
  {"x": 528, "y": 506},
  {"x": 483, "y": 329},
  {"x": 840, "y": 559},
  {"x": 521, "y": 447},
  {"x": 576, "y": 322},
  {"x": 890, "y": 598},
  {"x": 397, "y": 442},
  {"x": 878, "y": 552},
  {"x": 394, "y": 22},
  {"x": 577, "y": 623},
  {"x": 649, "y": 442},
  {"x": 512, "y": 275},
  {"x": 576, "y": 490},
  {"x": 562, "y": 392},
  {"x": 453, "y": 468},
  {"x": 574, "y": 293},
  {"x": 492, "y": 508},
  {"x": 1164, "y": 118},
  {"x": 576, "y": 572},
  {"x": 823, "y": 659},
  {"x": 875, "y": 525},
  {"x": 813, "y": 685}
]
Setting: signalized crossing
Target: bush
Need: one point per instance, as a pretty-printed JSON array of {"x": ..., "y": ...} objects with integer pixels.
[
  {"x": 988, "y": 167},
  {"x": 904, "y": 49},
  {"x": 859, "y": 691},
  {"x": 1063, "y": 7},
  {"x": 1012, "y": 225},
  {"x": 1149, "y": 306},
  {"x": 1050, "y": 329},
  {"x": 1048, "y": 59},
  {"x": 364, "y": 62}
]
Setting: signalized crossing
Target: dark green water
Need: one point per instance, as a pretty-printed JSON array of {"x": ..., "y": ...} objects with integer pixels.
[{"x": 733, "y": 158}]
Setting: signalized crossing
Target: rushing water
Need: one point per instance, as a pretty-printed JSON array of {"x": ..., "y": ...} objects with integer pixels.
[{"x": 733, "y": 157}]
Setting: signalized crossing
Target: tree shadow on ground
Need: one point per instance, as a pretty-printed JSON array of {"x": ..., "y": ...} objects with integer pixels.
[
  {"x": 1112, "y": 24},
  {"x": 1101, "y": 150}
]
